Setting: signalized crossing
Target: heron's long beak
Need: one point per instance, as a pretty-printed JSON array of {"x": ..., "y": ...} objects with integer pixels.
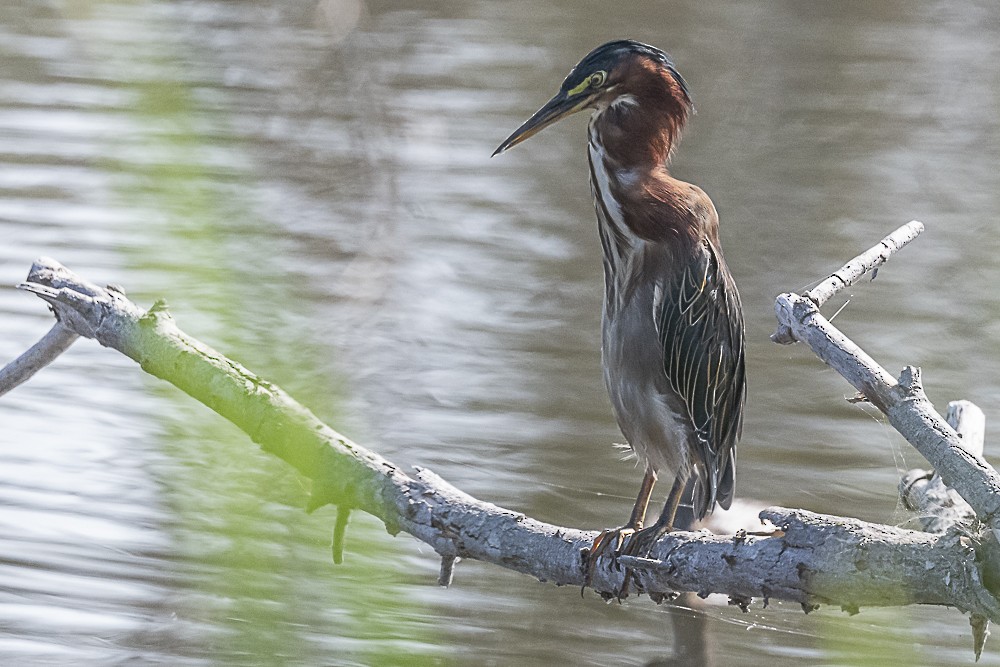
[{"x": 558, "y": 107}]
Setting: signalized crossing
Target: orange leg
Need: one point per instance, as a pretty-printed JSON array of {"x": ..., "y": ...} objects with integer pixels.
[
  {"x": 638, "y": 517},
  {"x": 640, "y": 541},
  {"x": 643, "y": 540},
  {"x": 666, "y": 520},
  {"x": 616, "y": 537}
]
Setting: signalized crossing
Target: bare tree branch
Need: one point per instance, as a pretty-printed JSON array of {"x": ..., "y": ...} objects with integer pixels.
[
  {"x": 853, "y": 271},
  {"x": 938, "y": 506},
  {"x": 56, "y": 341},
  {"x": 903, "y": 401},
  {"x": 963, "y": 485},
  {"x": 812, "y": 559}
]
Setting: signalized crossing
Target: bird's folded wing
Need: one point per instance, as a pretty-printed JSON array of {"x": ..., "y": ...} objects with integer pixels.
[{"x": 700, "y": 325}]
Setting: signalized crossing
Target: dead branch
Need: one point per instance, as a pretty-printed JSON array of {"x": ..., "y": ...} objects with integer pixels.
[
  {"x": 903, "y": 401},
  {"x": 853, "y": 271},
  {"x": 812, "y": 559},
  {"x": 938, "y": 506},
  {"x": 38, "y": 356}
]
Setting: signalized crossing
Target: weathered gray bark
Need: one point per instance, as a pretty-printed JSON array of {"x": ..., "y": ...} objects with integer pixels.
[
  {"x": 852, "y": 272},
  {"x": 963, "y": 490},
  {"x": 812, "y": 559},
  {"x": 903, "y": 401},
  {"x": 938, "y": 506},
  {"x": 37, "y": 357}
]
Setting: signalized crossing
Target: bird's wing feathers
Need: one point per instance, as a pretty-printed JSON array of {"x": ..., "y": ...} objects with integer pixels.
[{"x": 700, "y": 325}]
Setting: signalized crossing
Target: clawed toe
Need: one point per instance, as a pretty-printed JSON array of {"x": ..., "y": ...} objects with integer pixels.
[
  {"x": 640, "y": 543},
  {"x": 625, "y": 541},
  {"x": 613, "y": 539},
  {"x": 609, "y": 542}
]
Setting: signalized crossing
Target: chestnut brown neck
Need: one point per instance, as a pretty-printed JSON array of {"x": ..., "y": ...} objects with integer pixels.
[
  {"x": 631, "y": 140},
  {"x": 642, "y": 122}
]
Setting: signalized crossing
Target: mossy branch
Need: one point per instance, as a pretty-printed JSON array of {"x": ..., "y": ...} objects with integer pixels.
[{"x": 811, "y": 558}]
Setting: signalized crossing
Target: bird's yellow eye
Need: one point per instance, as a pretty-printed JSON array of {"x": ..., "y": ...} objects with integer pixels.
[{"x": 595, "y": 80}]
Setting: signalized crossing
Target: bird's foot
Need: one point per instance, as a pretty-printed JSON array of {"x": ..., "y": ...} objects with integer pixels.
[
  {"x": 641, "y": 542},
  {"x": 608, "y": 542}
]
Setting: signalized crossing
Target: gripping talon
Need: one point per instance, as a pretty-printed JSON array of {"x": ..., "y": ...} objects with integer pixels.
[{"x": 608, "y": 541}]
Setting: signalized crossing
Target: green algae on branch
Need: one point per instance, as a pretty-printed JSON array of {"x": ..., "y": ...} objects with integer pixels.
[{"x": 812, "y": 559}]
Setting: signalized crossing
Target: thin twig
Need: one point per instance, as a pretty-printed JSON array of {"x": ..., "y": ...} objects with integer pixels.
[
  {"x": 339, "y": 532},
  {"x": 447, "y": 573},
  {"x": 851, "y": 272},
  {"x": 56, "y": 341}
]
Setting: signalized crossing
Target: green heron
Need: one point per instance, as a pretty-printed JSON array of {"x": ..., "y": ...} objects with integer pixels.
[{"x": 672, "y": 333}]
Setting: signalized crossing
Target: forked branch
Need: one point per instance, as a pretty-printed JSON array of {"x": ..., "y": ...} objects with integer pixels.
[
  {"x": 812, "y": 559},
  {"x": 903, "y": 401}
]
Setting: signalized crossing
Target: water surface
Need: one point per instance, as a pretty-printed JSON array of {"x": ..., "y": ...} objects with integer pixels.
[{"x": 309, "y": 186}]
